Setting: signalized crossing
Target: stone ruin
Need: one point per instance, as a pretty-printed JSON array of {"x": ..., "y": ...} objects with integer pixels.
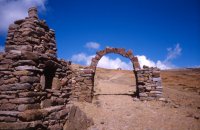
[{"x": 37, "y": 89}]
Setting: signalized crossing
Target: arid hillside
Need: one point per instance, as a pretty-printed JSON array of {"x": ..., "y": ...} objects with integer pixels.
[{"x": 115, "y": 108}]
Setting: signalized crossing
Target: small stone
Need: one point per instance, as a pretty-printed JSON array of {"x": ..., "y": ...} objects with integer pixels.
[
  {"x": 23, "y": 107},
  {"x": 8, "y": 107},
  {"x": 22, "y": 100},
  {"x": 73, "y": 81},
  {"x": 157, "y": 79},
  {"x": 29, "y": 79},
  {"x": 30, "y": 55},
  {"x": 27, "y": 67},
  {"x": 56, "y": 84},
  {"x": 9, "y": 81},
  {"x": 46, "y": 103},
  {"x": 16, "y": 86},
  {"x": 136, "y": 99},
  {"x": 143, "y": 95},
  {"x": 64, "y": 81},
  {"x": 24, "y": 62},
  {"x": 23, "y": 73},
  {"x": 8, "y": 119},
  {"x": 163, "y": 100}
]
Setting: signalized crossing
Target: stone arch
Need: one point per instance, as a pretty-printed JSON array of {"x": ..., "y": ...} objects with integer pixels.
[
  {"x": 120, "y": 51},
  {"x": 148, "y": 80}
]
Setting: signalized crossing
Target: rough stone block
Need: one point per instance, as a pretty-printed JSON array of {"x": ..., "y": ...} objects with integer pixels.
[
  {"x": 29, "y": 79},
  {"x": 23, "y": 107},
  {"x": 22, "y": 100},
  {"x": 16, "y": 86},
  {"x": 56, "y": 84}
]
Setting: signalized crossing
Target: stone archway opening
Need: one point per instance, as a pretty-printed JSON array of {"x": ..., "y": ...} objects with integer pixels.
[
  {"x": 113, "y": 79},
  {"x": 148, "y": 80},
  {"x": 121, "y": 51}
]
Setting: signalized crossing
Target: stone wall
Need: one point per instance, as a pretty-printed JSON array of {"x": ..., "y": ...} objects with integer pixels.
[
  {"x": 83, "y": 84},
  {"x": 35, "y": 87},
  {"x": 32, "y": 35},
  {"x": 149, "y": 83},
  {"x": 148, "y": 80}
]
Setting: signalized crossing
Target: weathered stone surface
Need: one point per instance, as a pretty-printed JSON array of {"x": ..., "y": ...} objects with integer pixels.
[
  {"x": 9, "y": 113},
  {"x": 4, "y": 67},
  {"x": 27, "y": 67},
  {"x": 8, "y": 119},
  {"x": 30, "y": 55},
  {"x": 56, "y": 84},
  {"x": 24, "y": 107},
  {"x": 19, "y": 47},
  {"x": 29, "y": 79},
  {"x": 22, "y": 100},
  {"x": 8, "y": 81},
  {"x": 6, "y": 96},
  {"x": 8, "y": 106},
  {"x": 32, "y": 115},
  {"x": 77, "y": 120},
  {"x": 157, "y": 79},
  {"x": 143, "y": 95},
  {"x": 16, "y": 86},
  {"x": 24, "y": 62},
  {"x": 21, "y": 125},
  {"x": 31, "y": 94},
  {"x": 22, "y": 73},
  {"x": 46, "y": 103},
  {"x": 64, "y": 81}
]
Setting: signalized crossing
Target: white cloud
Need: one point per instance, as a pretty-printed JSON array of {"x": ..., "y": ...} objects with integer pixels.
[
  {"x": 109, "y": 63},
  {"x": 173, "y": 53},
  {"x": 82, "y": 58},
  {"x": 92, "y": 45},
  {"x": 11, "y": 10},
  {"x": 143, "y": 60},
  {"x": 1, "y": 48}
]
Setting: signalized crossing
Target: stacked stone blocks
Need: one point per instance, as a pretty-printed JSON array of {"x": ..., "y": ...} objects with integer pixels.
[{"x": 35, "y": 87}]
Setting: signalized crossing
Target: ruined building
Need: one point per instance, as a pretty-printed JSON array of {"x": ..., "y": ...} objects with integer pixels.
[{"x": 37, "y": 89}]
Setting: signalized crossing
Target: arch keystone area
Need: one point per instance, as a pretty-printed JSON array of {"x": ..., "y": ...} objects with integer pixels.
[{"x": 121, "y": 51}]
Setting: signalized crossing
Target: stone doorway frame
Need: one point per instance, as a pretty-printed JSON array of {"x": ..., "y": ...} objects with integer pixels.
[{"x": 121, "y": 51}]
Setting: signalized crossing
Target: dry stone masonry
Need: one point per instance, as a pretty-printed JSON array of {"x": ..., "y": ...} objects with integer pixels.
[
  {"x": 149, "y": 83},
  {"x": 148, "y": 80},
  {"x": 37, "y": 89}
]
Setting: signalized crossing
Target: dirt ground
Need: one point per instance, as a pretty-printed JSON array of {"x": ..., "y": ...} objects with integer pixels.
[{"x": 113, "y": 107}]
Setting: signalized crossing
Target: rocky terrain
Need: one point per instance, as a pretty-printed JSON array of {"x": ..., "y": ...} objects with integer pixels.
[{"x": 115, "y": 108}]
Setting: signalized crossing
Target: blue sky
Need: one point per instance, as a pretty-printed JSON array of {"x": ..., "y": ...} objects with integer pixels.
[{"x": 154, "y": 29}]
